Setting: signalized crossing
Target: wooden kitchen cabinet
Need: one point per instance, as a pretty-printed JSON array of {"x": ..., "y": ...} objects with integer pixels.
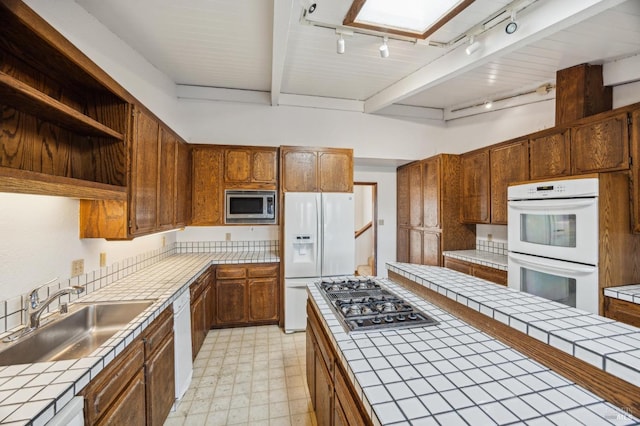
[
  {"x": 207, "y": 196},
  {"x": 550, "y": 154},
  {"x": 428, "y": 191},
  {"x": 622, "y": 310},
  {"x": 600, "y": 146},
  {"x": 306, "y": 169},
  {"x": 332, "y": 395},
  {"x": 183, "y": 184},
  {"x": 248, "y": 166},
  {"x": 509, "y": 164},
  {"x": 634, "y": 116},
  {"x": 159, "y": 368},
  {"x": 117, "y": 394},
  {"x": 247, "y": 294},
  {"x": 200, "y": 322},
  {"x": 497, "y": 276},
  {"x": 65, "y": 122},
  {"x": 476, "y": 187},
  {"x": 167, "y": 179}
]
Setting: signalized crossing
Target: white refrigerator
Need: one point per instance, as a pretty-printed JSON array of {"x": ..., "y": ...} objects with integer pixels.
[{"x": 319, "y": 242}]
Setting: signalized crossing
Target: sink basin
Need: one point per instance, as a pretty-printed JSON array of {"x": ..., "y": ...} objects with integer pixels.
[{"x": 72, "y": 335}]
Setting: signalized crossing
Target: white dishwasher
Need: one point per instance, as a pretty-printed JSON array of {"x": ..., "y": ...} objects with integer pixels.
[{"x": 182, "y": 342}]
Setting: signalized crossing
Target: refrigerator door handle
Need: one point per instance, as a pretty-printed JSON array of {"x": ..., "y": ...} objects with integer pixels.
[{"x": 320, "y": 231}]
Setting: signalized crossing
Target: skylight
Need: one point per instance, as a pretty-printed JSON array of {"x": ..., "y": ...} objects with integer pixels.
[{"x": 413, "y": 18}]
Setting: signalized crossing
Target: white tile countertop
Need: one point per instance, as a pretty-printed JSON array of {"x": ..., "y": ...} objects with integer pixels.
[
  {"x": 481, "y": 257},
  {"x": 452, "y": 373},
  {"x": 34, "y": 393},
  {"x": 630, "y": 293}
]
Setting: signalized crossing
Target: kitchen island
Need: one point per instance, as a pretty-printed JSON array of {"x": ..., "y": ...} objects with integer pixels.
[
  {"x": 453, "y": 373},
  {"x": 35, "y": 393}
]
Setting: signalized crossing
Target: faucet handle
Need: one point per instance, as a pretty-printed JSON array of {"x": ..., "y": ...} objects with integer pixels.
[{"x": 34, "y": 298}]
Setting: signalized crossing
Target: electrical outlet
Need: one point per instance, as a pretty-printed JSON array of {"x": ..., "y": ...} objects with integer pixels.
[
  {"x": 227, "y": 236},
  {"x": 380, "y": 222},
  {"x": 489, "y": 237},
  {"x": 103, "y": 259},
  {"x": 164, "y": 241},
  {"x": 77, "y": 267}
]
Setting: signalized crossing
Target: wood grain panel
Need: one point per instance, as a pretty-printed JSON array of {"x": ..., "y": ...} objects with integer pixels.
[
  {"x": 431, "y": 200},
  {"x": 336, "y": 170},
  {"x": 431, "y": 249},
  {"x": 415, "y": 195},
  {"x": 635, "y": 169},
  {"x": 509, "y": 163},
  {"x": 611, "y": 388},
  {"x": 237, "y": 165},
  {"x": 183, "y": 184},
  {"x": 455, "y": 235},
  {"x": 580, "y": 93},
  {"x": 231, "y": 301},
  {"x": 623, "y": 311},
  {"x": 167, "y": 180},
  {"x": 402, "y": 244},
  {"x": 402, "y": 203},
  {"x": 207, "y": 203},
  {"x": 299, "y": 170},
  {"x": 264, "y": 166},
  {"x": 263, "y": 299},
  {"x": 144, "y": 174},
  {"x": 415, "y": 246},
  {"x": 476, "y": 199},
  {"x": 600, "y": 146},
  {"x": 550, "y": 155}
]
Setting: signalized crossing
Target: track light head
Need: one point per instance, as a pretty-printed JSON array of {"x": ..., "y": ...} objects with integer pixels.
[
  {"x": 308, "y": 5},
  {"x": 473, "y": 46},
  {"x": 384, "y": 48},
  {"x": 488, "y": 104},
  {"x": 340, "y": 45},
  {"x": 512, "y": 26}
]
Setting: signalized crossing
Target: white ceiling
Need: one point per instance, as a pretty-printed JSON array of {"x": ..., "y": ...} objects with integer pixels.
[{"x": 240, "y": 44}]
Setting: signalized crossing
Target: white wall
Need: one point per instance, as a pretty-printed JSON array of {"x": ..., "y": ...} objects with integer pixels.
[
  {"x": 40, "y": 239},
  {"x": 219, "y": 233}
]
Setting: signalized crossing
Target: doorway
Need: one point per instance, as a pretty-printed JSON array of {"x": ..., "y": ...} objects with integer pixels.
[{"x": 366, "y": 226}]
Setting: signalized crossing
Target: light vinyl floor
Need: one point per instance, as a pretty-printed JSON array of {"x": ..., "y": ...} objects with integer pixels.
[{"x": 247, "y": 376}]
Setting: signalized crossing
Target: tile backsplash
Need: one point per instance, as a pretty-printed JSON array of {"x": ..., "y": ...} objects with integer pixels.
[
  {"x": 12, "y": 312},
  {"x": 497, "y": 247}
]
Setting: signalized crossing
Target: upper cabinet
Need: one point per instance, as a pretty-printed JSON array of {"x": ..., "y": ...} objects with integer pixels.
[
  {"x": 601, "y": 145},
  {"x": 250, "y": 167},
  {"x": 509, "y": 164},
  {"x": 550, "y": 154},
  {"x": 476, "y": 200},
  {"x": 207, "y": 202},
  {"x": 304, "y": 169},
  {"x": 65, "y": 122},
  {"x": 183, "y": 184},
  {"x": 635, "y": 167}
]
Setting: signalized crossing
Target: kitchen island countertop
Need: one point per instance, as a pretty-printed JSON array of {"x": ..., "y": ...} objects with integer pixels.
[
  {"x": 481, "y": 257},
  {"x": 34, "y": 393},
  {"x": 452, "y": 372}
]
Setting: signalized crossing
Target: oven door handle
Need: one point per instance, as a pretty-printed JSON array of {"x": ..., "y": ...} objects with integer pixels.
[
  {"x": 578, "y": 269},
  {"x": 550, "y": 203}
]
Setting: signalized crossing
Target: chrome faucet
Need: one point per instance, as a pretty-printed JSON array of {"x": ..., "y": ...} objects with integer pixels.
[{"x": 35, "y": 308}]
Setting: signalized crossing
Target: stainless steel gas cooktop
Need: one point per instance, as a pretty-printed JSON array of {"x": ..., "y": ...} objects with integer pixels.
[{"x": 362, "y": 304}]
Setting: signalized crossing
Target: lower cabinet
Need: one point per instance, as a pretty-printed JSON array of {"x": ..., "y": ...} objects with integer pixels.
[
  {"x": 497, "y": 276},
  {"x": 332, "y": 396},
  {"x": 137, "y": 387},
  {"x": 247, "y": 294},
  {"x": 621, "y": 310},
  {"x": 201, "y": 310}
]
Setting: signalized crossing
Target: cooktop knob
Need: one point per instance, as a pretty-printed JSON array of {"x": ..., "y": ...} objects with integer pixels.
[
  {"x": 376, "y": 320},
  {"x": 388, "y": 318},
  {"x": 413, "y": 316},
  {"x": 401, "y": 317},
  {"x": 359, "y": 322}
]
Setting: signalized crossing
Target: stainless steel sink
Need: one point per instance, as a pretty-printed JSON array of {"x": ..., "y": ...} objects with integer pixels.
[{"x": 72, "y": 335}]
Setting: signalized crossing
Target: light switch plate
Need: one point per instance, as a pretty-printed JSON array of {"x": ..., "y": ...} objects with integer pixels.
[{"x": 77, "y": 267}]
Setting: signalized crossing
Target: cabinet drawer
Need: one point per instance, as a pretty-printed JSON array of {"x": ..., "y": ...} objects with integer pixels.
[
  {"x": 231, "y": 272},
  {"x": 259, "y": 271},
  {"x": 161, "y": 327},
  {"x": 105, "y": 389}
]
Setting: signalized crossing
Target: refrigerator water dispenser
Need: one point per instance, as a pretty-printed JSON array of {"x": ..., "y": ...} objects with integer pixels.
[{"x": 303, "y": 249}]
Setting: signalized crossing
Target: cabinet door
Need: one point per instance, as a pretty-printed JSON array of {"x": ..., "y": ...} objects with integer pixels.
[
  {"x": 144, "y": 175},
  {"x": 183, "y": 184},
  {"x": 198, "y": 310},
  {"x": 207, "y": 204},
  {"x": 210, "y": 304},
  {"x": 458, "y": 265},
  {"x": 311, "y": 364},
  {"x": 509, "y": 163},
  {"x": 323, "y": 392},
  {"x": 601, "y": 146},
  {"x": 160, "y": 382},
  {"x": 621, "y": 310},
  {"x": 263, "y": 166},
  {"x": 415, "y": 246},
  {"x": 431, "y": 192},
  {"x": 415, "y": 195},
  {"x": 635, "y": 169},
  {"x": 167, "y": 180},
  {"x": 403, "y": 203},
  {"x": 299, "y": 170},
  {"x": 475, "y": 187},
  {"x": 336, "y": 171},
  {"x": 431, "y": 249},
  {"x": 346, "y": 406},
  {"x": 402, "y": 245},
  {"x": 550, "y": 155},
  {"x": 237, "y": 165},
  {"x": 129, "y": 408},
  {"x": 490, "y": 274},
  {"x": 230, "y": 302},
  {"x": 263, "y": 299}
]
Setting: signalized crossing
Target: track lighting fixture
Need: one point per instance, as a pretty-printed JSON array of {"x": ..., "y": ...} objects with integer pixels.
[
  {"x": 488, "y": 104},
  {"x": 473, "y": 46},
  {"x": 384, "y": 48},
  {"x": 512, "y": 26},
  {"x": 340, "y": 45},
  {"x": 308, "y": 5}
]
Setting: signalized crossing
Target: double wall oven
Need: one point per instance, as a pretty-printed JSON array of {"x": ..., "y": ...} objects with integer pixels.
[{"x": 553, "y": 241}]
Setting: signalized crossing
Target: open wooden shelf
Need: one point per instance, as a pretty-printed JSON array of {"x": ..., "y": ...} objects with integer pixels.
[
  {"x": 25, "y": 98},
  {"x": 27, "y": 182}
]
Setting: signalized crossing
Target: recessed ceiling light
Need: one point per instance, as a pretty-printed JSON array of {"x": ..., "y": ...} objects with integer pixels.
[{"x": 413, "y": 18}]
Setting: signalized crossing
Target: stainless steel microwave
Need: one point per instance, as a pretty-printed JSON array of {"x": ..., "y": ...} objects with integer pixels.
[{"x": 250, "y": 207}]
